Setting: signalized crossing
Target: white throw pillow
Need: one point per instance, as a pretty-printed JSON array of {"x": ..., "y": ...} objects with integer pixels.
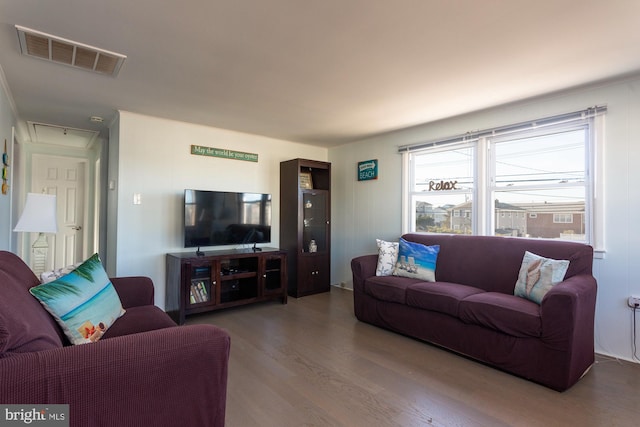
[
  {"x": 50, "y": 276},
  {"x": 387, "y": 257}
]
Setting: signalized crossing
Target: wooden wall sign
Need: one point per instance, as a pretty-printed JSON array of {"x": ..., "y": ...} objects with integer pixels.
[{"x": 223, "y": 153}]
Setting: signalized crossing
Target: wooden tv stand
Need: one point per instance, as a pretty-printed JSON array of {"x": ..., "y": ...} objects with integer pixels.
[{"x": 223, "y": 279}]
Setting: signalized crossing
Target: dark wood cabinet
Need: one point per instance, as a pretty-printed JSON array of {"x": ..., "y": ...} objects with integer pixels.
[
  {"x": 223, "y": 279},
  {"x": 313, "y": 274},
  {"x": 305, "y": 227}
]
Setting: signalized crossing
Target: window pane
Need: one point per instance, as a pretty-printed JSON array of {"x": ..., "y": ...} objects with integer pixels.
[
  {"x": 450, "y": 170},
  {"x": 442, "y": 188},
  {"x": 451, "y": 213},
  {"x": 555, "y": 213},
  {"x": 541, "y": 160}
]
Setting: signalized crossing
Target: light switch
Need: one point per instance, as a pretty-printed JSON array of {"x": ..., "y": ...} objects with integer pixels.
[{"x": 137, "y": 199}]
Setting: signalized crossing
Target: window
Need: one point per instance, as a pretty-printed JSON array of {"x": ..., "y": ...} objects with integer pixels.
[
  {"x": 559, "y": 218},
  {"x": 443, "y": 180},
  {"x": 528, "y": 180},
  {"x": 543, "y": 172}
]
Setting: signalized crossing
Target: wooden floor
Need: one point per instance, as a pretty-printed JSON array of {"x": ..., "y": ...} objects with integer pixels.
[{"x": 311, "y": 363}]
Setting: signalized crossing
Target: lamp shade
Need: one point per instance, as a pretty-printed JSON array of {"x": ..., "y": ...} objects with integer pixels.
[{"x": 39, "y": 214}]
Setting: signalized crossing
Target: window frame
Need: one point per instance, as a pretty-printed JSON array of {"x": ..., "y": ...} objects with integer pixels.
[{"x": 590, "y": 120}]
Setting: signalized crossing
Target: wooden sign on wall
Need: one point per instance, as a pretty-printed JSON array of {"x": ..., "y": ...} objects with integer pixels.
[{"x": 223, "y": 153}]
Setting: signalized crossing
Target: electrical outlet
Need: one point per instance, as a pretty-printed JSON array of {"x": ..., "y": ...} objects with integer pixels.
[{"x": 634, "y": 302}]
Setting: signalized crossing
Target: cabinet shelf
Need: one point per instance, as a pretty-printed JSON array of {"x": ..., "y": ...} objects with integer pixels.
[
  {"x": 235, "y": 276},
  {"x": 305, "y": 230},
  {"x": 223, "y": 279}
]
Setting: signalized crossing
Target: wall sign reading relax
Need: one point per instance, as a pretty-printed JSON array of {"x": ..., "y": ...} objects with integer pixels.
[{"x": 199, "y": 150}]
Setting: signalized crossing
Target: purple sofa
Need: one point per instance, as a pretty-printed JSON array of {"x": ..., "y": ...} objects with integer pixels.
[
  {"x": 471, "y": 309},
  {"x": 144, "y": 371}
]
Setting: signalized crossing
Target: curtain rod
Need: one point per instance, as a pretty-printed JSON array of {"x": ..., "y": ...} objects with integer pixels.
[{"x": 472, "y": 136}]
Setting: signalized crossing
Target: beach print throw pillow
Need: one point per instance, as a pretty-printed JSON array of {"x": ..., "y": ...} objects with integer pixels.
[
  {"x": 84, "y": 302},
  {"x": 416, "y": 260}
]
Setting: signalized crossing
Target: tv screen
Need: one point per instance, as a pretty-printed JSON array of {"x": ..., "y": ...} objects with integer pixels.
[{"x": 216, "y": 218}]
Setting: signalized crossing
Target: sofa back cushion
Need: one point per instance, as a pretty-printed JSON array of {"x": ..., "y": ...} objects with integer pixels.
[
  {"x": 492, "y": 263},
  {"x": 25, "y": 325}
]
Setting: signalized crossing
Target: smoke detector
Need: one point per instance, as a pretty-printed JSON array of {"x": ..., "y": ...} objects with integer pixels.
[{"x": 62, "y": 51}]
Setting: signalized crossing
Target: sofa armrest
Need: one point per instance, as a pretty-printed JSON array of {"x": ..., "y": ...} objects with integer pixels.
[
  {"x": 134, "y": 291},
  {"x": 568, "y": 312},
  {"x": 363, "y": 267},
  {"x": 173, "y": 376}
]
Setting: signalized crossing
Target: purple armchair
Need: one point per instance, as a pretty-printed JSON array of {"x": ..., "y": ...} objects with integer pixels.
[{"x": 144, "y": 371}]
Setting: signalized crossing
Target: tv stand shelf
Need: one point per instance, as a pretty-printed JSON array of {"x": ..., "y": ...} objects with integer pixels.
[{"x": 222, "y": 279}]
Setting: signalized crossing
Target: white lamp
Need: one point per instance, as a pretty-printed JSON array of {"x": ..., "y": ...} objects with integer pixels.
[{"x": 39, "y": 216}]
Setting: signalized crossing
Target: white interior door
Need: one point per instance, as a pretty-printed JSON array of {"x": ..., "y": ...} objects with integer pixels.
[{"x": 65, "y": 177}]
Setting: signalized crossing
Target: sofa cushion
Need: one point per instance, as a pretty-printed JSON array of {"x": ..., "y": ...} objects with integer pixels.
[
  {"x": 505, "y": 313},
  {"x": 84, "y": 302},
  {"x": 24, "y": 325},
  {"x": 538, "y": 275},
  {"x": 443, "y": 297},
  {"x": 387, "y": 257},
  {"x": 139, "y": 319},
  {"x": 389, "y": 288},
  {"x": 416, "y": 260}
]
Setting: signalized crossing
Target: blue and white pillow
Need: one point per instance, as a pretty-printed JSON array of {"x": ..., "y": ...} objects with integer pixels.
[
  {"x": 387, "y": 257},
  {"x": 416, "y": 260},
  {"x": 84, "y": 302}
]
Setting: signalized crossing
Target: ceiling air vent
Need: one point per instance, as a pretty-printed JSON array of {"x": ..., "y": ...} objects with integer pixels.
[{"x": 56, "y": 49}]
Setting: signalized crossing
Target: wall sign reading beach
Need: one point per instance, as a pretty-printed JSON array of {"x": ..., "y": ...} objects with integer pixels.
[
  {"x": 368, "y": 170},
  {"x": 199, "y": 150}
]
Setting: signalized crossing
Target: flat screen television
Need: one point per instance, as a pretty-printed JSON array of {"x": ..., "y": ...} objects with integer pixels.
[{"x": 217, "y": 218}]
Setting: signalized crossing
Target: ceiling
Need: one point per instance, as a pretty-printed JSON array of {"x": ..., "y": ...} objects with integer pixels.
[{"x": 318, "y": 72}]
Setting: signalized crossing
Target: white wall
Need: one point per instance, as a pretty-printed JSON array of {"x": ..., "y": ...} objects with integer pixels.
[
  {"x": 363, "y": 211},
  {"x": 110, "y": 221},
  {"x": 7, "y": 123},
  {"x": 153, "y": 159}
]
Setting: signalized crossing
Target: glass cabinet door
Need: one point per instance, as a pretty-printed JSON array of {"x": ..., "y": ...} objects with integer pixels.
[{"x": 315, "y": 221}]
